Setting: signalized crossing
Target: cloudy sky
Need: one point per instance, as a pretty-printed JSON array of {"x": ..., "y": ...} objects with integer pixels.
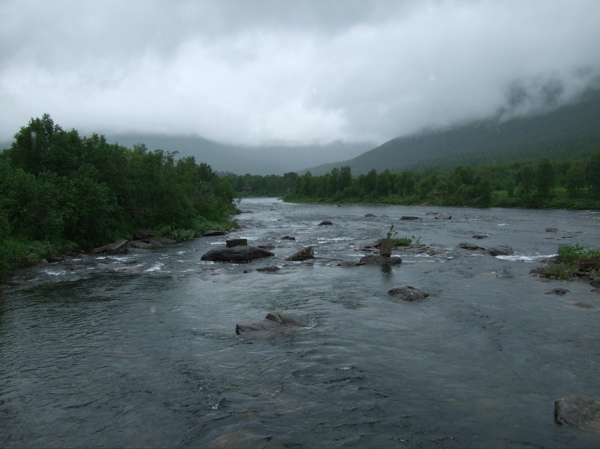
[{"x": 298, "y": 71}]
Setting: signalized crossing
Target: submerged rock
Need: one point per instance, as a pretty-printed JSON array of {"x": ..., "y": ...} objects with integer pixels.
[
  {"x": 408, "y": 293},
  {"x": 578, "y": 410},
  {"x": 558, "y": 291},
  {"x": 239, "y": 254},
  {"x": 271, "y": 269},
  {"x": 303, "y": 254},
  {"x": 409, "y": 217},
  {"x": 273, "y": 324}
]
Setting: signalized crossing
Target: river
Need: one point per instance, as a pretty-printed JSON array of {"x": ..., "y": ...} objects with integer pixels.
[{"x": 140, "y": 350}]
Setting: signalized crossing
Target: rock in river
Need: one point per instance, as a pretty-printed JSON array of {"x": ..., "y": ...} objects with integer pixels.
[
  {"x": 303, "y": 254},
  {"x": 408, "y": 293},
  {"x": 239, "y": 254},
  {"x": 274, "y": 323},
  {"x": 578, "y": 410}
]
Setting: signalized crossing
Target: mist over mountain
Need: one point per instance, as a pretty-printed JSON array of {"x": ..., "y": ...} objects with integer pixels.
[
  {"x": 569, "y": 131},
  {"x": 256, "y": 160}
]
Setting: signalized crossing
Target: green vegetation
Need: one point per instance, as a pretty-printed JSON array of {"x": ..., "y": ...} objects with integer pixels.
[
  {"x": 392, "y": 235},
  {"x": 557, "y": 184},
  {"x": 60, "y": 191},
  {"x": 257, "y": 185},
  {"x": 567, "y": 265}
]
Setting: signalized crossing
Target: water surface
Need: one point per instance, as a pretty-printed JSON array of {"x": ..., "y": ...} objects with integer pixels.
[{"x": 141, "y": 351}]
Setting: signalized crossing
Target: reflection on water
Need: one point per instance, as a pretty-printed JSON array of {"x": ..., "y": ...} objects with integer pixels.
[{"x": 141, "y": 350}]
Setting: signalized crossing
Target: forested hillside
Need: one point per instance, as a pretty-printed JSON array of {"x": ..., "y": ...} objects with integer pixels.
[
  {"x": 60, "y": 191},
  {"x": 572, "y": 131}
]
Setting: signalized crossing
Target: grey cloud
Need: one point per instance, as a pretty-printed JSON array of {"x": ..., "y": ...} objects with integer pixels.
[{"x": 268, "y": 70}]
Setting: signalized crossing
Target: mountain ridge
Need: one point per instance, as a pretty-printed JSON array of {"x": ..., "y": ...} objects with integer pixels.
[{"x": 572, "y": 130}]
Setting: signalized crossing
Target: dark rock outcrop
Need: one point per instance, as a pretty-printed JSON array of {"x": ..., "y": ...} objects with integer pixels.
[
  {"x": 408, "y": 218},
  {"x": 238, "y": 254},
  {"x": 303, "y": 254},
  {"x": 408, "y": 293},
  {"x": 578, "y": 410},
  {"x": 500, "y": 251},
  {"x": 288, "y": 237},
  {"x": 326, "y": 223}
]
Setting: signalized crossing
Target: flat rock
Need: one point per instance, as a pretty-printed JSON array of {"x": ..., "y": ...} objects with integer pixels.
[
  {"x": 408, "y": 293},
  {"x": 379, "y": 260},
  {"x": 443, "y": 217},
  {"x": 238, "y": 254},
  {"x": 271, "y": 269},
  {"x": 578, "y": 410},
  {"x": 470, "y": 246},
  {"x": 409, "y": 217}
]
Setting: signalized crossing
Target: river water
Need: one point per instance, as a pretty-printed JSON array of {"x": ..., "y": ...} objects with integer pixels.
[{"x": 140, "y": 350}]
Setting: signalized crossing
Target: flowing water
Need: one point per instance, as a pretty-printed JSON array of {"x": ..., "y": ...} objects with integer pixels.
[{"x": 140, "y": 350}]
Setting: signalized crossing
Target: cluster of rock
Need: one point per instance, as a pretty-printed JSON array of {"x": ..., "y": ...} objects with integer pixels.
[{"x": 142, "y": 239}]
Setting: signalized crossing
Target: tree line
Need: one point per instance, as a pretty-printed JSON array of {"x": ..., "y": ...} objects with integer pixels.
[
  {"x": 548, "y": 183},
  {"x": 59, "y": 190}
]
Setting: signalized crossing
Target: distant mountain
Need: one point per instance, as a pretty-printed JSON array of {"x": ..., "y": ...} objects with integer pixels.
[
  {"x": 258, "y": 160},
  {"x": 570, "y": 131}
]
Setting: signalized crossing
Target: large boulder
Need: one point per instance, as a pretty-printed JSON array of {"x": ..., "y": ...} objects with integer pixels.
[
  {"x": 578, "y": 410},
  {"x": 303, "y": 254},
  {"x": 502, "y": 250},
  {"x": 408, "y": 293},
  {"x": 238, "y": 254},
  {"x": 118, "y": 247}
]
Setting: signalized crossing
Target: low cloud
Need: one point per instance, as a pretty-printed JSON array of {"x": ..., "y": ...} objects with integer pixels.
[{"x": 269, "y": 71}]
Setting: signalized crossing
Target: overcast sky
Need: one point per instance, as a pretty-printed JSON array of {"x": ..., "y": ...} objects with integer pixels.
[{"x": 273, "y": 71}]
